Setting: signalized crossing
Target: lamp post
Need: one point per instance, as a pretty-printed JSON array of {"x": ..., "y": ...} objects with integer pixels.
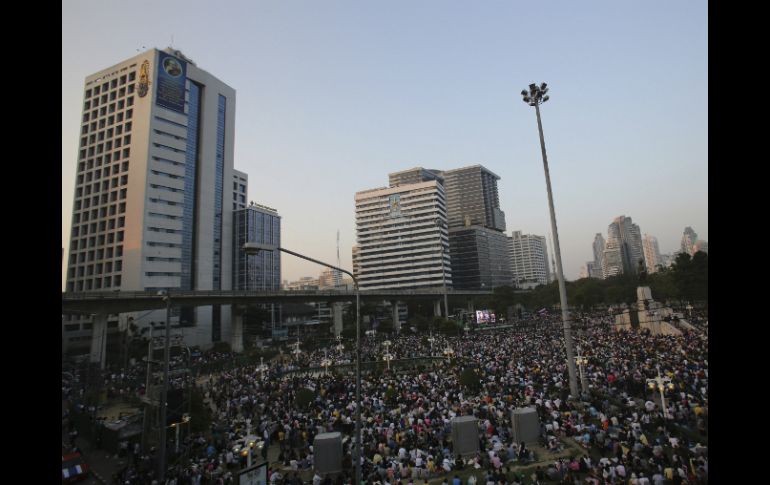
[
  {"x": 662, "y": 383},
  {"x": 535, "y": 97},
  {"x": 441, "y": 225},
  {"x": 164, "y": 393},
  {"x": 262, "y": 367},
  {"x": 431, "y": 339},
  {"x": 253, "y": 248},
  {"x": 581, "y": 361},
  {"x": 387, "y": 357}
]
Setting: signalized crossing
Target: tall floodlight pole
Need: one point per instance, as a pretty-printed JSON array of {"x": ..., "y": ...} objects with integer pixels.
[
  {"x": 164, "y": 395},
  {"x": 535, "y": 97},
  {"x": 254, "y": 248}
]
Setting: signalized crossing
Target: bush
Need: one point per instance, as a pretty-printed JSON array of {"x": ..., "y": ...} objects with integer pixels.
[
  {"x": 304, "y": 397},
  {"x": 470, "y": 380}
]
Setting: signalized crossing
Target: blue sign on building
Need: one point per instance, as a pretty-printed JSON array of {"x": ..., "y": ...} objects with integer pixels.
[{"x": 172, "y": 73}]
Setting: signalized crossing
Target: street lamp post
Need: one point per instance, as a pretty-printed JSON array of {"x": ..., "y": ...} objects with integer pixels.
[
  {"x": 440, "y": 224},
  {"x": 253, "y": 248},
  {"x": 164, "y": 393},
  {"x": 535, "y": 97},
  {"x": 387, "y": 357},
  {"x": 662, "y": 383}
]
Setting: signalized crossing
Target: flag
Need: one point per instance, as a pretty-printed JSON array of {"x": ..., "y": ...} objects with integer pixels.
[{"x": 542, "y": 311}]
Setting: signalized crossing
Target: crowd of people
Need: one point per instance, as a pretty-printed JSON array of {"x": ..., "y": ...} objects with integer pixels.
[{"x": 620, "y": 426}]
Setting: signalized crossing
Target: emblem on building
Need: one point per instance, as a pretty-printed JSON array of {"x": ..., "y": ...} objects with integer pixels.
[{"x": 144, "y": 79}]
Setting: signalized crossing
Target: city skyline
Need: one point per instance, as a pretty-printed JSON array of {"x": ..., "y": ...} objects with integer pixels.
[{"x": 331, "y": 97}]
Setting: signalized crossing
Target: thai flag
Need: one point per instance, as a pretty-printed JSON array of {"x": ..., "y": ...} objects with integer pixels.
[{"x": 542, "y": 311}]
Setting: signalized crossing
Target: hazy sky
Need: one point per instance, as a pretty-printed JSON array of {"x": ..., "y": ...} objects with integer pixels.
[{"x": 334, "y": 95}]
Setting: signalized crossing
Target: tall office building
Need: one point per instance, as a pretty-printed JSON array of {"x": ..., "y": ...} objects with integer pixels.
[
  {"x": 651, "y": 253},
  {"x": 262, "y": 271},
  {"x": 150, "y": 207},
  {"x": 613, "y": 257},
  {"x": 629, "y": 239},
  {"x": 478, "y": 245},
  {"x": 399, "y": 243},
  {"x": 598, "y": 249},
  {"x": 240, "y": 189},
  {"x": 689, "y": 237},
  {"x": 529, "y": 259}
]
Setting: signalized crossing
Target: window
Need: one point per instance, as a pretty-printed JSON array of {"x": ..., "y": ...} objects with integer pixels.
[{"x": 132, "y": 75}]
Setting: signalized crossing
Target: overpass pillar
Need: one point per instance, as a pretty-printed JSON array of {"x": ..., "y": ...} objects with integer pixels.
[
  {"x": 337, "y": 318},
  {"x": 396, "y": 320},
  {"x": 236, "y": 342},
  {"x": 437, "y": 308},
  {"x": 99, "y": 339}
]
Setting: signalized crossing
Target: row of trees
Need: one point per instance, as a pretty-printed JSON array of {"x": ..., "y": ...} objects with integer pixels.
[{"x": 685, "y": 280}]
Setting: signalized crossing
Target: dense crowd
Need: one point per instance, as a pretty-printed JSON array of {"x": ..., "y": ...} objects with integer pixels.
[{"x": 621, "y": 427}]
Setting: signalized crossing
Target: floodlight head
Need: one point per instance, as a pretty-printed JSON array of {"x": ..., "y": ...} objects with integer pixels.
[
  {"x": 545, "y": 98},
  {"x": 543, "y": 86},
  {"x": 524, "y": 92},
  {"x": 533, "y": 87},
  {"x": 527, "y": 99},
  {"x": 254, "y": 248}
]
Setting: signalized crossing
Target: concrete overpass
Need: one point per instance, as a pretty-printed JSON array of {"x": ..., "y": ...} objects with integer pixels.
[
  {"x": 111, "y": 302},
  {"x": 103, "y": 303}
]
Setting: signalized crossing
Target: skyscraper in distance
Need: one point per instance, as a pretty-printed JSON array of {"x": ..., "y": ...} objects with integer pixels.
[{"x": 651, "y": 253}]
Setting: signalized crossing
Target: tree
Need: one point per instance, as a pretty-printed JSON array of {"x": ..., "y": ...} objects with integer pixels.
[
  {"x": 303, "y": 398},
  {"x": 470, "y": 379}
]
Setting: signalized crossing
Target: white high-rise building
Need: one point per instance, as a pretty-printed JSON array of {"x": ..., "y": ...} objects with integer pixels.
[
  {"x": 151, "y": 208},
  {"x": 529, "y": 259},
  {"x": 629, "y": 238},
  {"x": 399, "y": 243},
  {"x": 651, "y": 253}
]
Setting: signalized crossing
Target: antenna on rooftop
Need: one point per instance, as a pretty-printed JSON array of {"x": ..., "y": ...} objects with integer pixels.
[{"x": 172, "y": 41}]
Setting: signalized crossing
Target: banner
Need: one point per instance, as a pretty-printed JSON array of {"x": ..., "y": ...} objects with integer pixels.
[{"x": 172, "y": 73}]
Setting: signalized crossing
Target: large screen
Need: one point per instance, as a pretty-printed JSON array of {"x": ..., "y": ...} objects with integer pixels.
[{"x": 485, "y": 316}]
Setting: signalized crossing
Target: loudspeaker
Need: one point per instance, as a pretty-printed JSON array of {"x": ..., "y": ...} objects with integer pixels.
[
  {"x": 525, "y": 425},
  {"x": 327, "y": 452},
  {"x": 465, "y": 435}
]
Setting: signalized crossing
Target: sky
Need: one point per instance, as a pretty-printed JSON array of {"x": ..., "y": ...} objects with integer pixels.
[{"x": 332, "y": 96}]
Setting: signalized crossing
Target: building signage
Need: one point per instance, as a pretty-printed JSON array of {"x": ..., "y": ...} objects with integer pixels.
[
  {"x": 394, "y": 201},
  {"x": 172, "y": 73},
  {"x": 144, "y": 79}
]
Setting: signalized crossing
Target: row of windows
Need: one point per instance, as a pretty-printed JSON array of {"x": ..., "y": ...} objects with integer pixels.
[
  {"x": 131, "y": 76},
  {"x": 99, "y": 173},
  {"x": 164, "y": 174},
  {"x": 100, "y": 240},
  {"x": 116, "y": 121},
  {"x": 169, "y": 135},
  {"x": 162, "y": 273},
  {"x": 106, "y": 145},
  {"x": 166, "y": 260},
  {"x": 104, "y": 185},
  {"x": 101, "y": 212},
  {"x": 163, "y": 229},
  {"x": 95, "y": 283},
  {"x": 100, "y": 227},
  {"x": 97, "y": 269},
  {"x": 164, "y": 216},
  {"x": 92, "y": 151},
  {"x": 110, "y": 109},
  {"x": 239, "y": 187},
  {"x": 96, "y": 255},
  {"x": 97, "y": 162}
]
